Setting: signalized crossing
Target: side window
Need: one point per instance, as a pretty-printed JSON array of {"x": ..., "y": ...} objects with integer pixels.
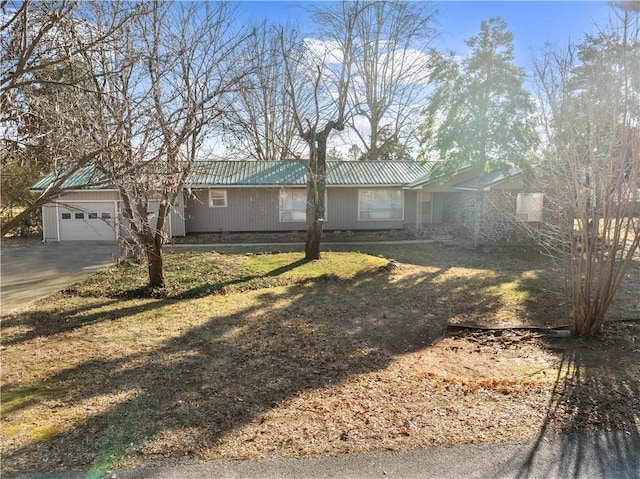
[
  {"x": 529, "y": 206},
  {"x": 217, "y": 198}
]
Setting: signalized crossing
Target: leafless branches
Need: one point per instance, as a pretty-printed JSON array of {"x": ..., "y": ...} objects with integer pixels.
[
  {"x": 592, "y": 169},
  {"x": 160, "y": 88}
]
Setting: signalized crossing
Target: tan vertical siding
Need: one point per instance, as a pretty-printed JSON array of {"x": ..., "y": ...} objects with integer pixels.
[
  {"x": 248, "y": 209},
  {"x": 177, "y": 218},
  {"x": 50, "y": 222},
  {"x": 343, "y": 212},
  {"x": 256, "y": 209},
  {"x": 410, "y": 207},
  {"x": 342, "y": 209}
]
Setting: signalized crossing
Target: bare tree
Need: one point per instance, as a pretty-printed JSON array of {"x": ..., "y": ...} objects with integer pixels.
[
  {"x": 42, "y": 45},
  {"x": 393, "y": 62},
  {"x": 318, "y": 77},
  {"x": 259, "y": 122},
  {"x": 591, "y": 176},
  {"x": 160, "y": 88}
]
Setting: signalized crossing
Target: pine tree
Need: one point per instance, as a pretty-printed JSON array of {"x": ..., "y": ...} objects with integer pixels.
[{"x": 480, "y": 115}]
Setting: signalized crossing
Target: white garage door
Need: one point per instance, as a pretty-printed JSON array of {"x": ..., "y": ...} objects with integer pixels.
[{"x": 87, "y": 221}]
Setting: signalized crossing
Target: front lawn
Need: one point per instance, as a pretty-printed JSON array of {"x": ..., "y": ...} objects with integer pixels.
[{"x": 255, "y": 355}]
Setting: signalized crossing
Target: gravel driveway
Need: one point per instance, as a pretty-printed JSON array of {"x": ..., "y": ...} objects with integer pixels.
[{"x": 32, "y": 271}]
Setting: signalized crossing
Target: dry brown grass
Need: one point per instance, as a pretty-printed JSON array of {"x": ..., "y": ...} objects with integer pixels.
[{"x": 265, "y": 355}]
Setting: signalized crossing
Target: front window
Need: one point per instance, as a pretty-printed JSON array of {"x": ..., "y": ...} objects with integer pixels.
[
  {"x": 293, "y": 205},
  {"x": 380, "y": 204}
]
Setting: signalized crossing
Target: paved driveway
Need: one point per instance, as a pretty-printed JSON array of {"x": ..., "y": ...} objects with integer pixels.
[{"x": 31, "y": 272}]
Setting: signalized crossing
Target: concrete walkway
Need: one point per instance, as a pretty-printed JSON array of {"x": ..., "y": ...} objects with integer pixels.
[
  {"x": 612, "y": 455},
  {"x": 30, "y": 272}
]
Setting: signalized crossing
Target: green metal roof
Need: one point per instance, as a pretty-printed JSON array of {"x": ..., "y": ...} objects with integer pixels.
[
  {"x": 86, "y": 177},
  {"x": 490, "y": 179},
  {"x": 270, "y": 173},
  {"x": 294, "y": 173}
]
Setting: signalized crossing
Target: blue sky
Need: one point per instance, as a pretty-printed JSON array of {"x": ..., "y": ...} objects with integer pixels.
[{"x": 532, "y": 23}]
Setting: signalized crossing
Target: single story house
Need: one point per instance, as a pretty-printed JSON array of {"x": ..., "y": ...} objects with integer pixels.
[{"x": 270, "y": 196}]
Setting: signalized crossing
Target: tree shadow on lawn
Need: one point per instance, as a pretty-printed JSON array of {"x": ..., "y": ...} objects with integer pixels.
[
  {"x": 181, "y": 398},
  {"x": 445, "y": 256},
  {"x": 43, "y": 323},
  {"x": 597, "y": 389}
]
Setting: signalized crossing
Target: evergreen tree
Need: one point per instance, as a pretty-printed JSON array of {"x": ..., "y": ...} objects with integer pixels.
[{"x": 480, "y": 115}]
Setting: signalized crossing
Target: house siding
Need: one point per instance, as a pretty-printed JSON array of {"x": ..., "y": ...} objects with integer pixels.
[
  {"x": 177, "y": 218},
  {"x": 174, "y": 224},
  {"x": 342, "y": 212},
  {"x": 256, "y": 209},
  {"x": 248, "y": 209},
  {"x": 411, "y": 209},
  {"x": 50, "y": 222}
]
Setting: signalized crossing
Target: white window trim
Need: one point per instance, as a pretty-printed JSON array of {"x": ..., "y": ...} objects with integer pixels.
[
  {"x": 224, "y": 195},
  {"x": 360, "y": 210}
]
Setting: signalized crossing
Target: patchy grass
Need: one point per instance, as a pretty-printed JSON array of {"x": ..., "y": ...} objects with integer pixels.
[
  {"x": 252, "y": 355},
  {"x": 193, "y": 274}
]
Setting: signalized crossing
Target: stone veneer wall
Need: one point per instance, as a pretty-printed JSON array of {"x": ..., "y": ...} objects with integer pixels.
[{"x": 498, "y": 224}]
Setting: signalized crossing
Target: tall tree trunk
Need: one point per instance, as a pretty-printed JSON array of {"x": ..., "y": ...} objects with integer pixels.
[
  {"x": 312, "y": 243},
  {"x": 155, "y": 264},
  {"x": 316, "y": 190}
]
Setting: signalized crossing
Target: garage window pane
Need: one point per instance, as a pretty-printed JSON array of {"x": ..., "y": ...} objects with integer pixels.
[
  {"x": 79, "y": 216},
  {"x": 93, "y": 216},
  {"x": 66, "y": 216},
  {"x": 106, "y": 216}
]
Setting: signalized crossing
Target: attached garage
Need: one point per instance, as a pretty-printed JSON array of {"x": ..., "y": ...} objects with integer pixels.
[
  {"x": 87, "y": 221},
  {"x": 82, "y": 216}
]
